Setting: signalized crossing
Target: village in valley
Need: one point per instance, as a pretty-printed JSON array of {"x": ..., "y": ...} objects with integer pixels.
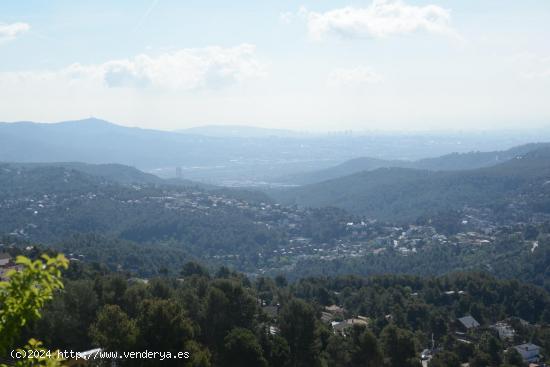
[
  {"x": 313, "y": 235},
  {"x": 303, "y": 234}
]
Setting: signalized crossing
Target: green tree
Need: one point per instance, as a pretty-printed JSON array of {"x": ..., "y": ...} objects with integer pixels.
[
  {"x": 133, "y": 296},
  {"x": 445, "y": 359},
  {"x": 228, "y": 305},
  {"x": 111, "y": 289},
  {"x": 114, "y": 330},
  {"x": 281, "y": 281},
  {"x": 366, "y": 351},
  {"x": 337, "y": 351},
  {"x": 192, "y": 268},
  {"x": 297, "y": 324},
  {"x": 275, "y": 348},
  {"x": 163, "y": 325},
  {"x": 480, "y": 359},
  {"x": 242, "y": 349},
  {"x": 23, "y": 296},
  {"x": 199, "y": 355},
  {"x": 513, "y": 358},
  {"x": 492, "y": 346},
  {"x": 66, "y": 319},
  {"x": 398, "y": 346}
]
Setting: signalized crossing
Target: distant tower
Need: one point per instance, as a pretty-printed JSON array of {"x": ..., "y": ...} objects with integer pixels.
[{"x": 179, "y": 174}]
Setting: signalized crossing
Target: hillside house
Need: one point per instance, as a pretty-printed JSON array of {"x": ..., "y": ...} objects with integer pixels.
[
  {"x": 529, "y": 352},
  {"x": 335, "y": 310},
  {"x": 343, "y": 327},
  {"x": 6, "y": 264},
  {"x": 504, "y": 330},
  {"x": 468, "y": 323},
  {"x": 5, "y": 259}
]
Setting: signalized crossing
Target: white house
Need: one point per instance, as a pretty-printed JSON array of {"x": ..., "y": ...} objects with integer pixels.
[{"x": 504, "y": 330}]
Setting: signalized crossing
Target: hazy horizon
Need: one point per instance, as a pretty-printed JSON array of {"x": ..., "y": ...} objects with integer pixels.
[{"x": 304, "y": 132}]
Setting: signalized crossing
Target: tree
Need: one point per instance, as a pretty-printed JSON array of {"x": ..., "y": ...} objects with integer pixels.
[
  {"x": 110, "y": 289},
  {"x": 228, "y": 305},
  {"x": 297, "y": 324},
  {"x": 513, "y": 358},
  {"x": 492, "y": 346},
  {"x": 464, "y": 351},
  {"x": 192, "y": 268},
  {"x": 163, "y": 325},
  {"x": 438, "y": 325},
  {"x": 199, "y": 356},
  {"x": 337, "y": 351},
  {"x": 133, "y": 296},
  {"x": 114, "y": 330},
  {"x": 242, "y": 349},
  {"x": 366, "y": 351},
  {"x": 281, "y": 281},
  {"x": 480, "y": 359},
  {"x": 398, "y": 346},
  {"x": 445, "y": 359},
  {"x": 275, "y": 348},
  {"x": 66, "y": 319},
  {"x": 223, "y": 272},
  {"x": 23, "y": 296}
]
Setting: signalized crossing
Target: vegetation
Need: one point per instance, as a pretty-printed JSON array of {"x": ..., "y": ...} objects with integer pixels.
[
  {"x": 509, "y": 258},
  {"x": 448, "y": 162},
  {"x": 401, "y": 195},
  {"x": 222, "y": 319},
  {"x": 54, "y": 205},
  {"x": 21, "y": 299},
  {"x": 133, "y": 283}
]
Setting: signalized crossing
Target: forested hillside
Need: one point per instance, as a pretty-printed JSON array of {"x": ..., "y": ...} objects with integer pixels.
[
  {"x": 147, "y": 229},
  {"x": 143, "y": 227},
  {"x": 400, "y": 194},
  {"x": 448, "y": 162},
  {"x": 226, "y": 319},
  {"x": 514, "y": 255}
]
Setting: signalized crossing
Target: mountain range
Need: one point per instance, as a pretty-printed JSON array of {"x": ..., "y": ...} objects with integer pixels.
[
  {"x": 448, "y": 162},
  {"x": 395, "y": 193},
  {"x": 233, "y": 156}
]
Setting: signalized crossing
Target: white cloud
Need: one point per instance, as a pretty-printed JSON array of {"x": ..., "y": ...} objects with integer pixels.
[
  {"x": 11, "y": 31},
  {"x": 186, "y": 69},
  {"x": 354, "y": 77},
  {"x": 382, "y": 18}
]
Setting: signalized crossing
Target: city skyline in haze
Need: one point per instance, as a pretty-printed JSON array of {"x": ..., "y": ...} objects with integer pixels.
[{"x": 307, "y": 66}]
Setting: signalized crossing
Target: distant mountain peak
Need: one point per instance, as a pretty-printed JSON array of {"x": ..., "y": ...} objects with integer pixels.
[{"x": 90, "y": 121}]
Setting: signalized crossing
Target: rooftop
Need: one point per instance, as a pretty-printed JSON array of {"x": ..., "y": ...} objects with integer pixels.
[{"x": 469, "y": 322}]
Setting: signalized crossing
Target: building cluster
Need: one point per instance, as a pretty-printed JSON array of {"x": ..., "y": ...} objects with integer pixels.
[
  {"x": 335, "y": 316},
  {"x": 468, "y": 330},
  {"x": 352, "y": 236}
]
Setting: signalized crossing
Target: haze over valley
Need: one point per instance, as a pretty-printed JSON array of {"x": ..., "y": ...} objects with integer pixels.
[
  {"x": 267, "y": 203},
  {"x": 263, "y": 158}
]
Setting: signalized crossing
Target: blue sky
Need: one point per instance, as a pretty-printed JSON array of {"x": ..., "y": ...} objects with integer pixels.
[{"x": 308, "y": 65}]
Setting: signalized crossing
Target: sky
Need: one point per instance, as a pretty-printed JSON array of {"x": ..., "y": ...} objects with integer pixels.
[{"x": 312, "y": 65}]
